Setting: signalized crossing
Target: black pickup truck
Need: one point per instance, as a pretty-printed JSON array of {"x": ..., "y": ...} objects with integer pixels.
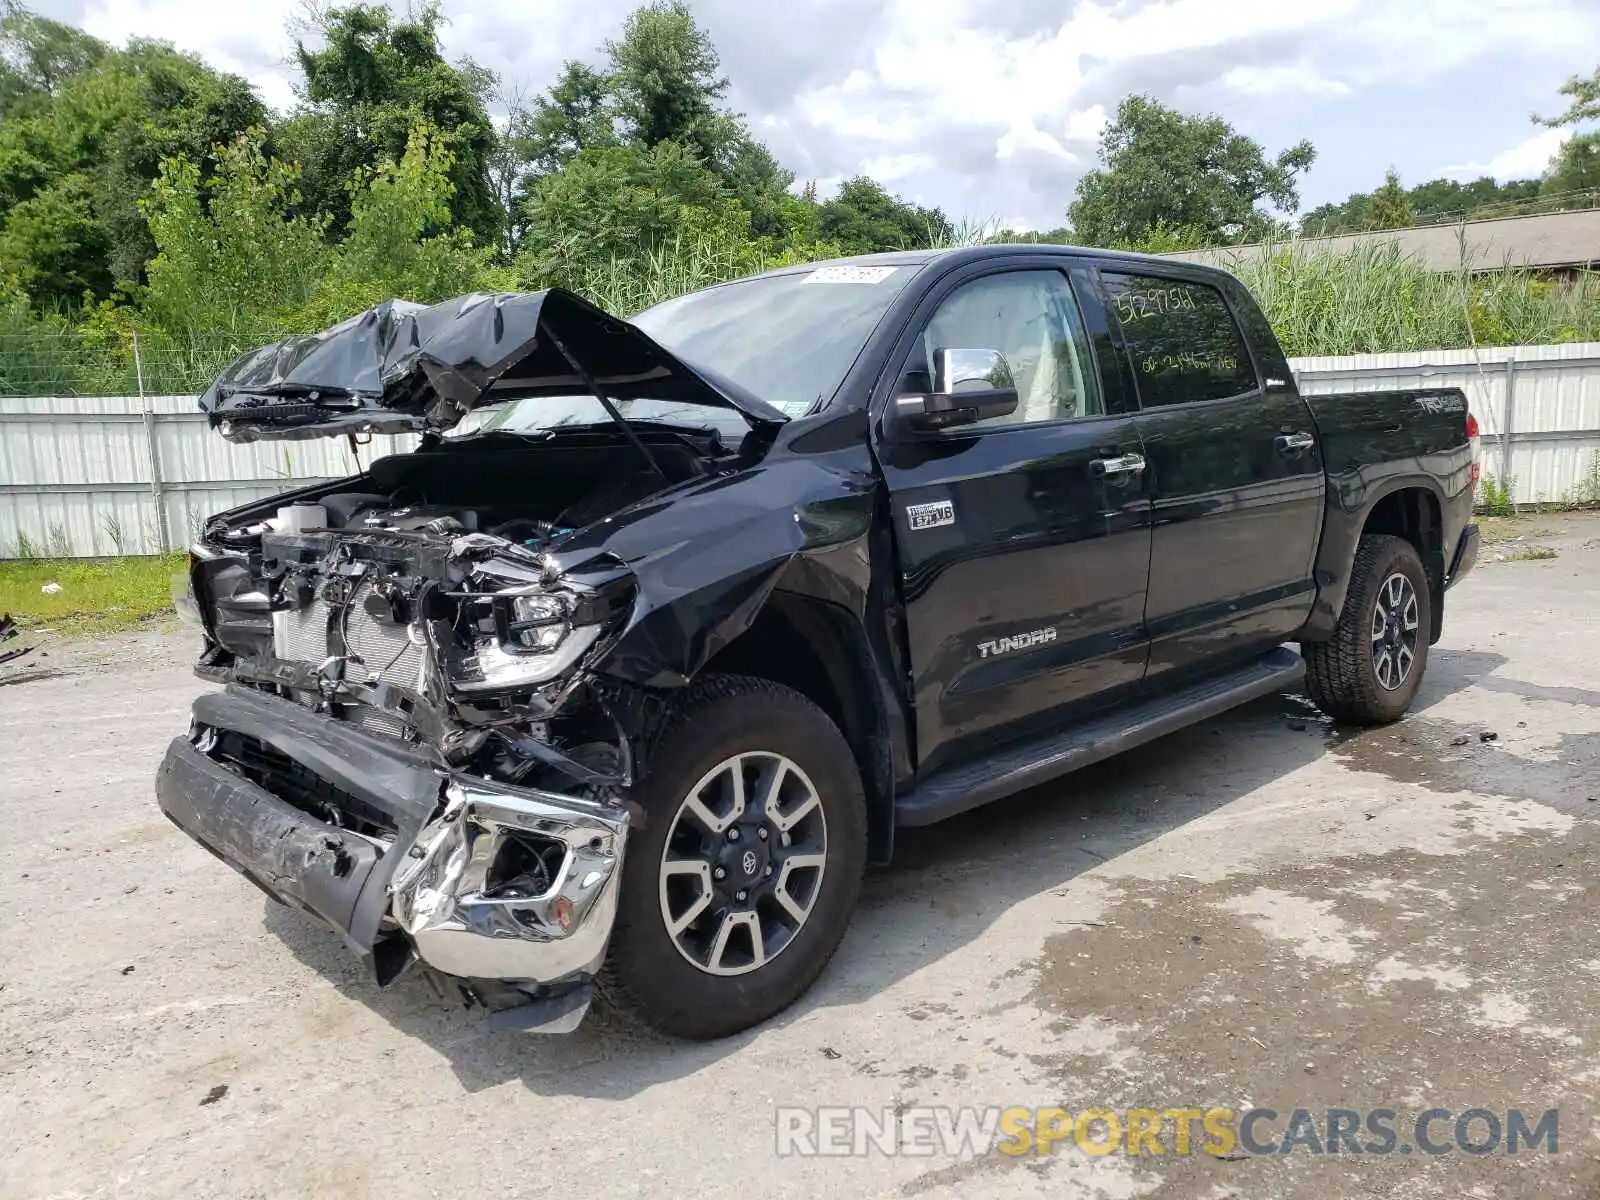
[{"x": 666, "y": 625}]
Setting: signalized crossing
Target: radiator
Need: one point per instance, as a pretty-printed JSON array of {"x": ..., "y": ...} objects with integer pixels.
[
  {"x": 384, "y": 650},
  {"x": 376, "y": 649}
]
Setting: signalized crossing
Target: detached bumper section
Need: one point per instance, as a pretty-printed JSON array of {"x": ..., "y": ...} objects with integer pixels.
[{"x": 481, "y": 880}]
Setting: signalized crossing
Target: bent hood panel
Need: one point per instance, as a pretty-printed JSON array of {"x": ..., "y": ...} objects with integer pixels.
[{"x": 405, "y": 367}]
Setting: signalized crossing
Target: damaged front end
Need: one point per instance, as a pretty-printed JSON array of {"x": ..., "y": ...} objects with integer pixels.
[
  {"x": 413, "y": 743},
  {"x": 412, "y": 749}
]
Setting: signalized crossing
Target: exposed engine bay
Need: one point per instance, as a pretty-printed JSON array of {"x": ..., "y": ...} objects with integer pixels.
[
  {"x": 440, "y": 672},
  {"x": 419, "y": 602}
]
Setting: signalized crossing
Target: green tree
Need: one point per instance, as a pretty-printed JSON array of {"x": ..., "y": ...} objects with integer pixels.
[
  {"x": 97, "y": 138},
  {"x": 620, "y": 202},
  {"x": 666, "y": 83},
  {"x": 232, "y": 261},
  {"x": 401, "y": 243},
  {"x": 240, "y": 260},
  {"x": 183, "y": 108},
  {"x": 1334, "y": 217},
  {"x": 1059, "y": 236},
  {"x": 38, "y": 55},
  {"x": 762, "y": 185},
  {"x": 505, "y": 167},
  {"x": 1445, "y": 199},
  {"x": 1161, "y": 167},
  {"x": 576, "y": 114},
  {"x": 52, "y": 248},
  {"x": 1575, "y": 168},
  {"x": 373, "y": 81},
  {"x": 661, "y": 83},
  {"x": 1583, "y": 92},
  {"x": 1433, "y": 201},
  {"x": 1391, "y": 206},
  {"x": 863, "y": 218}
]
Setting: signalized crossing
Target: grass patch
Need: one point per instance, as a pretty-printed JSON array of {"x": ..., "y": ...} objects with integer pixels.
[
  {"x": 1504, "y": 529},
  {"x": 1495, "y": 497},
  {"x": 1531, "y": 554},
  {"x": 97, "y": 594}
]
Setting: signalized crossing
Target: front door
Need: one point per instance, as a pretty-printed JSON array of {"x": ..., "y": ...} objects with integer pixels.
[
  {"x": 1023, "y": 541},
  {"x": 1233, "y": 472}
]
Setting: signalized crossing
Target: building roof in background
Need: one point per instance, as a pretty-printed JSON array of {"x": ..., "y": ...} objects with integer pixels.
[{"x": 1548, "y": 242}]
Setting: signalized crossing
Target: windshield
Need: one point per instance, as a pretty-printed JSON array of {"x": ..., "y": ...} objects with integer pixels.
[
  {"x": 543, "y": 414},
  {"x": 787, "y": 339}
]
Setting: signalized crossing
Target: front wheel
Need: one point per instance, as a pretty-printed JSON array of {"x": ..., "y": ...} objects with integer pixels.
[
  {"x": 739, "y": 882},
  {"x": 1368, "y": 672}
]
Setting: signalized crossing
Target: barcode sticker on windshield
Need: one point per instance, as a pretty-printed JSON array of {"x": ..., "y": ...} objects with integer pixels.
[{"x": 849, "y": 275}]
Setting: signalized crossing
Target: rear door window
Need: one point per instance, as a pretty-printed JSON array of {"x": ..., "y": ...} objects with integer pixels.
[{"x": 1183, "y": 340}]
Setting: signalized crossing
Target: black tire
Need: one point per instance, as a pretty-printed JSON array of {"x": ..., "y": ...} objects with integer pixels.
[
  {"x": 646, "y": 973},
  {"x": 1341, "y": 674}
]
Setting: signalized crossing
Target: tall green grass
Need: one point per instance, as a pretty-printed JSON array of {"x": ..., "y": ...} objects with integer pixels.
[
  {"x": 677, "y": 266},
  {"x": 1377, "y": 299},
  {"x": 1374, "y": 298}
]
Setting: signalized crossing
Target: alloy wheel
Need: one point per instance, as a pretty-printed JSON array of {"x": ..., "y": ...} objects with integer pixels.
[
  {"x": 1395, "y": 621},
  {"x": 743, "y": 863}
]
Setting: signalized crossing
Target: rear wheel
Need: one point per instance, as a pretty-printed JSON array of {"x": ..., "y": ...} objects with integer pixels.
[
  {"x": 1369, "y": 671},
  {"x": 738, "y": 884}
]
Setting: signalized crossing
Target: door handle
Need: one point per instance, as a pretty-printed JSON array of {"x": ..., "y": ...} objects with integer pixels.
[
  {"x": 1122, "y": 464},
  {"x": 1294, "y": 443}
]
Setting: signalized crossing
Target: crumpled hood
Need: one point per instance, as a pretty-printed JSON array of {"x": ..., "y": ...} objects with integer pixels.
[{"x": 403, "y": 367}]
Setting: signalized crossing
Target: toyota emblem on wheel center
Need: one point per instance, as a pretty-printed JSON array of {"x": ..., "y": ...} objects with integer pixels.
[{"x": 748, "y": 862}]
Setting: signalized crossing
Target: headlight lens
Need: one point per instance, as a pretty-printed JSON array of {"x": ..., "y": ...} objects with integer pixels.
[
  {"x": 493, "y": 668},
  {"x": 541, "y": 639},
  {"x": 538, "y": 623},
  {"x": 538, "y": 610},
  {"x": 530, "y": 641}
]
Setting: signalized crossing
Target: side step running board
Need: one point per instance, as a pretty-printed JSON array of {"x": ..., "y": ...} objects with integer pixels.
[{"x": 1019, "y": 767}]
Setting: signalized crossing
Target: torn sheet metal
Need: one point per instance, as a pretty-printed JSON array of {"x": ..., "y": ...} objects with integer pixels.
[
  {"x": 405, "y": 367},
  {"x": 469, "y": 917}
]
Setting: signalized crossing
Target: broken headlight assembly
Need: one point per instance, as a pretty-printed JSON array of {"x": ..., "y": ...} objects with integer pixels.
[{"x": 524, "y": 638}]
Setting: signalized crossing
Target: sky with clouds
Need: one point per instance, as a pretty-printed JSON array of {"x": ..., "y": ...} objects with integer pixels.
[{"x": 991, "y": 108}]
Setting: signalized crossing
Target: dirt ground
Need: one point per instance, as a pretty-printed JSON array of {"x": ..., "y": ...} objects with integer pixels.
[{"x": 1260, "y": 911}]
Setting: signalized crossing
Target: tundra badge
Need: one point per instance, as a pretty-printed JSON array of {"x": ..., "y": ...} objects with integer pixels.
[
  {"x": 931, "y": 516},
  {"x": 1021, "y": 641}
]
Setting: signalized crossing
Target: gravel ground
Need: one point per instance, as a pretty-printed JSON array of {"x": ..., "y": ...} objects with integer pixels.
[{"x": 1260, "y": 911}]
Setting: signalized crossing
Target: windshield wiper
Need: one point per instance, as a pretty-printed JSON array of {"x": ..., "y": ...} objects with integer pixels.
[{"x": 593, "y": 385}]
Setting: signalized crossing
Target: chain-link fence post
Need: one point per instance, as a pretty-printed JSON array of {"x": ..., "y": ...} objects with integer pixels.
[{"x": 153, "y": 448}]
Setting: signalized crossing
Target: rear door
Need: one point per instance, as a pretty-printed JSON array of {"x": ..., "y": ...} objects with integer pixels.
[
  {"x": 1234, "y": 474},
  {"x": 1022, "y": 559}
]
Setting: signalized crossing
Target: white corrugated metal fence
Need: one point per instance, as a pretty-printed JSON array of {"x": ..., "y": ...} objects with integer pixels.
[
  {"x": 94, "y": 475},
  {"x": 1547, "y": 398},
  {"x": 82, "y": 476}
]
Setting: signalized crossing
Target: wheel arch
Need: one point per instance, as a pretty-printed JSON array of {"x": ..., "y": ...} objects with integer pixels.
[
  {"x": 1414, "y": 513},
  {"x": 1410, "y": 508},
  {"x": 822, "y": 651}
]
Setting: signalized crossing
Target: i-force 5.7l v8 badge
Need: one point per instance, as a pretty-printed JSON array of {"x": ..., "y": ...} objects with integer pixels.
[{"x": 931, "y": 516}]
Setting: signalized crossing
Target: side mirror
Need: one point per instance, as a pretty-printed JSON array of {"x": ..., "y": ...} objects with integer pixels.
[{"x": 968, "y": 386}]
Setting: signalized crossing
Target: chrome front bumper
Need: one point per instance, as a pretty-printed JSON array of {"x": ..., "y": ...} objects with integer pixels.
[
  {"x": 439, "y": 887},
  {"x": 424, "y": 893}
]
